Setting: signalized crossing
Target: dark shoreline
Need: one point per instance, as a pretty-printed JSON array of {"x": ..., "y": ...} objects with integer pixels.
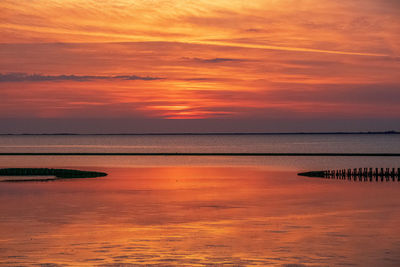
[
  {"x": 55, "y": 174},
  {"x": 210, "y": 154},
  {"x": 217, "y": 133}
]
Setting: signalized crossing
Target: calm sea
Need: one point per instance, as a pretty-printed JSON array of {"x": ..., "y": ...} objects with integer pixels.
[
  {"x": 204, "y": 210},
  {"x": 292, "y": 143}
]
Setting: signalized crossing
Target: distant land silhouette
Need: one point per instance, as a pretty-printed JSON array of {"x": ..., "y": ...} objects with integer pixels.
[{"x": 211, "y": 133}]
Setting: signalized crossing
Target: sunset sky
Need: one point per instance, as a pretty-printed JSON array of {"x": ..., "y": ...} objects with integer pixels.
[{"x": 199, "y": 65}]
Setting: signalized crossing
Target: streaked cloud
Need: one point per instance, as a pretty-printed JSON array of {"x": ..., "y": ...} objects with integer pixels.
[
  {"x": 200, "y": 59},
  {"x": 314, "y": 26},
  {"x": 213, "y": 60},
  {"x": 24, "y": 77}
]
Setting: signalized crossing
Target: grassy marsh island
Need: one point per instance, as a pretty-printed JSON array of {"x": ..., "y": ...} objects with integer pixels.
[{"x": 45, "y": 174}]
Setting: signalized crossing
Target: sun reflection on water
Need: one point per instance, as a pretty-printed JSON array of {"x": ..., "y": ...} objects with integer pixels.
[{"x": 197, "y": 216}]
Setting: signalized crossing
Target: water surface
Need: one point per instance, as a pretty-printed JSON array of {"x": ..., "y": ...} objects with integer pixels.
[
  {"x": 200, "y": 210},
  {"x": 269, "y": 143}
]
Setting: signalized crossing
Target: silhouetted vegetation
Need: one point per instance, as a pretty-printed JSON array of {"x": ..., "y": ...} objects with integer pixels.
[
  {"x": 57, "y": 173},
  {"x": 313, "y": 174}
]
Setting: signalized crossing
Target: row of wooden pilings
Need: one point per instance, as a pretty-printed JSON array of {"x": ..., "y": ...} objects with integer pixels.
[{"x": 364, "y": 174}]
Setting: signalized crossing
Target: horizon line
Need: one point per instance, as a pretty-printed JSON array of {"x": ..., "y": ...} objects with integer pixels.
[
  {"x": 213, "y": 133},
  {"x": 204, "y": 154}
]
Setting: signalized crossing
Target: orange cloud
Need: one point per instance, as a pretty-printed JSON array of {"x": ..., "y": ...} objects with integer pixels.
[{"x": 199, "y": 59}]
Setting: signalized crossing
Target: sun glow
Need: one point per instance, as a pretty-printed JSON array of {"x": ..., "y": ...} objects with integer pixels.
[{"x": 198, "y": 59}]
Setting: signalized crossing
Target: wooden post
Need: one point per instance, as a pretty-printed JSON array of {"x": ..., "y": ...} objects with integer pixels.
[{"x": 398, "y": 174}]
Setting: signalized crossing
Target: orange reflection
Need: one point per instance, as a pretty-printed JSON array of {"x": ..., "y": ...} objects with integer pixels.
[{"x": 199, "y": 215}]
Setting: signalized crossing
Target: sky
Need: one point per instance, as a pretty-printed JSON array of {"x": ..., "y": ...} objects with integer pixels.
[{"x": 98, "y": 66}]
